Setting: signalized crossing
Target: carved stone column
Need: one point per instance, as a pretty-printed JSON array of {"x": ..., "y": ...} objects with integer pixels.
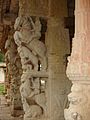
[
  {"x": 78, "y": 69},
  {"x": 33, "y": 54},
  {"x": 7, "y": 84},
  {"x": 14, "y": 75},
  {"x": 58, "y": 84}
]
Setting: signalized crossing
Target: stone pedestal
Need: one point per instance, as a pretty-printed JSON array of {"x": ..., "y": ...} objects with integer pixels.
[
  {"x": 58, "y": 84},
  {"x": 78, "y": 69}
]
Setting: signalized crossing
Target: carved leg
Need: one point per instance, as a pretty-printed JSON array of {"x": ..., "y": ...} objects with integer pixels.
[
  {"x": 17, "y": 37},
  {"x": 44, "y": 63},
  {"x": 25, "y": 104}
]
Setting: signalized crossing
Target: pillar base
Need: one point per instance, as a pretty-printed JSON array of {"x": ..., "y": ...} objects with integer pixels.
[{"x": 79, "y": 108}]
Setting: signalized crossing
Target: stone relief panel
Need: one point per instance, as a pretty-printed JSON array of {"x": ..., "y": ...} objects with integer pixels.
[{"x": 33, "y": 54}]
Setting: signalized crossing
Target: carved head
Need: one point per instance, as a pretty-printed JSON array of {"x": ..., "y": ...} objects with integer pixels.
[
  {"x": 22, "y": 21},
  {"x": 18, "y": 23}
]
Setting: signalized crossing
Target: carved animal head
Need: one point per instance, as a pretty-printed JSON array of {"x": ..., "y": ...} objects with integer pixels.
[
  {"x": 22, "y": 21},
  {"x": 18, "y": 22}
]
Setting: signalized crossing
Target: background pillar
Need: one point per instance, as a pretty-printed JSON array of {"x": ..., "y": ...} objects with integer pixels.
[{"x": 58, "y": 85}]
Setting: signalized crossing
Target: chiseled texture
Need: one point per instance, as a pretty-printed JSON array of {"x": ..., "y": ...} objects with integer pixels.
[
  {"x": 57, "y": 42},
  {"x": 14, "y": 72},
  {"x": 78, "y": 69}
]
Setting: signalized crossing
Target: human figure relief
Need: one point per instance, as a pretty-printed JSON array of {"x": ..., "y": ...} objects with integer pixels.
[{"x": 28, "y": 34}]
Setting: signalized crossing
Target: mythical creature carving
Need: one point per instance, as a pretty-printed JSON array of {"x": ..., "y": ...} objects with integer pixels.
[
  {"x": 32, "y": 97},
  {"x": 31, "y": 51},
  {"x": 28, "y": 34},
  {"x": 27, "y": 58}
]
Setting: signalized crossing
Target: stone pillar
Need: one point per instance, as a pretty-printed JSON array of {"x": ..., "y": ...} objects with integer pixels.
[
  {"x": 78, "y": 69},
  {"x": 7, "y": 80},
  {"x": 57, "y": 85},
  {"x": 14, "y": 72},
  {"x": 57, "y": 41},
  {"x": 33, "y": 54}
]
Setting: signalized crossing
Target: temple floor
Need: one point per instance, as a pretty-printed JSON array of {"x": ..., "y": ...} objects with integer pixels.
[{"x": 5, "y": 113}]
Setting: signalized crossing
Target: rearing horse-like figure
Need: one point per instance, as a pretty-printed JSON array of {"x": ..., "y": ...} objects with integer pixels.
[{"x": 28, "y": 33}]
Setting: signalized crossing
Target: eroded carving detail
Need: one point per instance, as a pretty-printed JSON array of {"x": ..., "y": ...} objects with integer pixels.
[
  {"x": 78, "y": 97},
  {"x": 14, "y": 73},
  {"x": 28, "y": 35},
  {"x": 32, "y": 52}
]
